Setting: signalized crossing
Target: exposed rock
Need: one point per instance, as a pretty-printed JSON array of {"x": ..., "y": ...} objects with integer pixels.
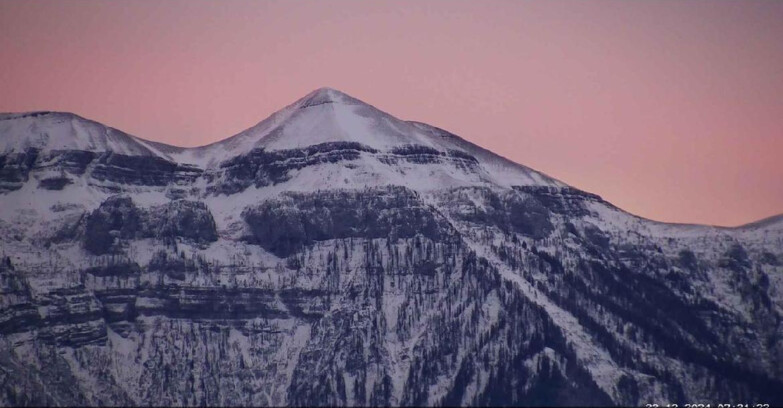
[
  {"x": 296, "y": 220},
  {"x": 118, "y": 219}
]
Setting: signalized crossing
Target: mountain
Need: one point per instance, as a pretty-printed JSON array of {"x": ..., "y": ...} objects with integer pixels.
[{"x": 336, "y": 255}]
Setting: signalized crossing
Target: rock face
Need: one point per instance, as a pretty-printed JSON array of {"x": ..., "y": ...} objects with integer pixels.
[
  {"x": 336, "y": 255},
  {"x": 286, "y": 225},
  {"x": 118, "y": 220}
]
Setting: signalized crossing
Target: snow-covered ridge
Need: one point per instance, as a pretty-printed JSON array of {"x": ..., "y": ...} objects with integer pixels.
[
  {"x": 49, "y": 131},
  {"x": 327, "y": 115},
  {"x": 321, "y": 117}
]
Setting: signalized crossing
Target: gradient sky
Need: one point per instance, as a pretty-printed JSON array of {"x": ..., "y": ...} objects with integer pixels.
[{"x": 670, "y": 110}]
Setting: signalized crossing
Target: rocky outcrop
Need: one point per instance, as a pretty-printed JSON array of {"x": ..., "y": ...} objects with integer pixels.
[
  {"x": 190, "y": 220},
  {"x": 18, "y": 312},
  {"x": 506, "y": 210},
  {"x": 15, "y": 169},
  {"x": 419, "y": 154},
  {"x": 142, "y": 170},
  {"x": 286, "y": 225},
  {"x": 58, "y": 168},
  {"x": 263, "y": 168},
  {"x": 118, "y": 220}
]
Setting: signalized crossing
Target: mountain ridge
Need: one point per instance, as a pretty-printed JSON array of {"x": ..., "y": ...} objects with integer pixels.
[
  {"x": 259, "y": 136},
  {"x": 323, "y": 95}
]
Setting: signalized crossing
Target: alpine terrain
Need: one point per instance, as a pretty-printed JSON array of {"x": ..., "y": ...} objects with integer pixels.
[{"x": 336, "y": 255}]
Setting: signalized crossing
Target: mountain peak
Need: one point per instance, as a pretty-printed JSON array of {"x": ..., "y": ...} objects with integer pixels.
[
  {"x": 327, "y": 115},
  {"x": 325, "y": 95},
  {"x": 392, "y": 148},
  {"x": 327, "y": 91}
]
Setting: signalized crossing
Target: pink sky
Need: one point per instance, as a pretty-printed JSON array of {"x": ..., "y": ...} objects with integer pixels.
[{"x": 670, "y": 110}]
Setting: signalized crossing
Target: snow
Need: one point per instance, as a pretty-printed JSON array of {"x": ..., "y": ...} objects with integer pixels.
[
  {"x": 65, "y": 131},
  {"x": 596, "y": 359},
  {"x": 236, "y": 338},
  {"x": 327, "y": 115},
  {"x": 324, "y": 115}
]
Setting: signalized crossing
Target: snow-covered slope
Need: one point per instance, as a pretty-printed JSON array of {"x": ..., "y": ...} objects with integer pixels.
[
  {"x": 48, "y": 131},
  {"x": 330, "y": 116},
  {"x": 336, "y": 255}
]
